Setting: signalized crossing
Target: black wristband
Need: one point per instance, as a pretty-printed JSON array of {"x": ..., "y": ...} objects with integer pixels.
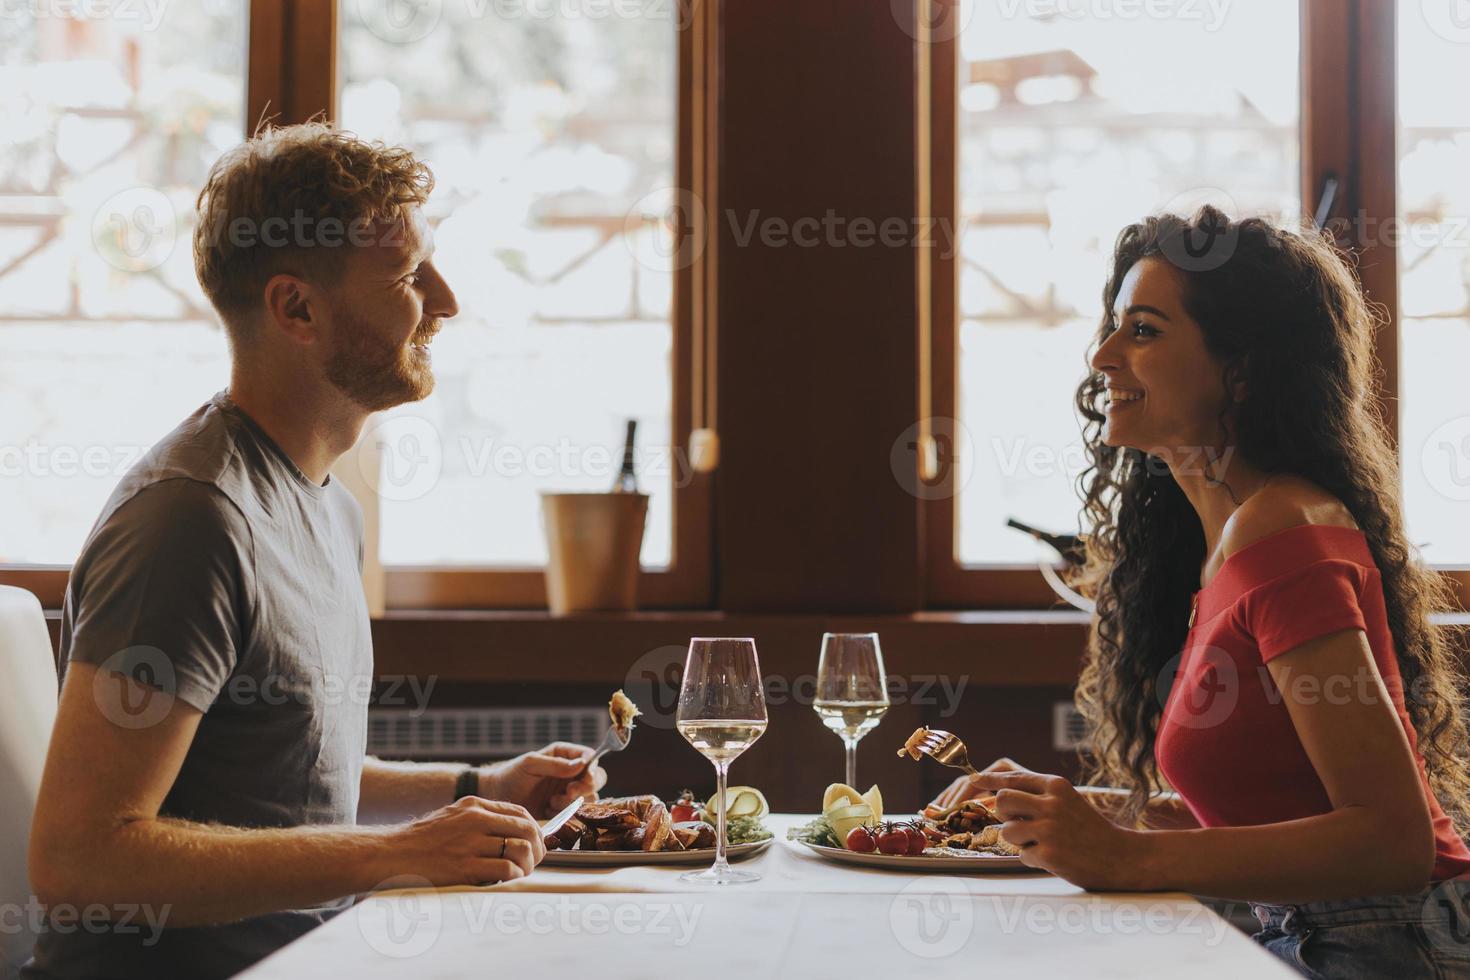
[{"x": 468, "y": 783}]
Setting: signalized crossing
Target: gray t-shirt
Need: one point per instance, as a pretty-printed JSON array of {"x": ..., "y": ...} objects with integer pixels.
[{"x": 218, "y": 571}]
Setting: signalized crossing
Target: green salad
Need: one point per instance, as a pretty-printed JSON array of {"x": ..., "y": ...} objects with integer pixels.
[
  {"x": 745, "y": 830},
  {"x": 818, "y": 832}
]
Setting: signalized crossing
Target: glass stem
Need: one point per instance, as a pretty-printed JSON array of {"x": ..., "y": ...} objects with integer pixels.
[
  {"x": 722, "y": 770},
  {"x": 851, "y": 744}
]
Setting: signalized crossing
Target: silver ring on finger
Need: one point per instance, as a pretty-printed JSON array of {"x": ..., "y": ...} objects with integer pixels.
[{"x": 504, "y": 843}]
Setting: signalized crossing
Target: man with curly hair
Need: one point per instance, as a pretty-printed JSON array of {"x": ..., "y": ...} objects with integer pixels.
[{"x": 206, "y": 797}]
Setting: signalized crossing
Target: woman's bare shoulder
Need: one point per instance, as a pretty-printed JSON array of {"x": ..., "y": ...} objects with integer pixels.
[{"x": 1287, "y": 501}]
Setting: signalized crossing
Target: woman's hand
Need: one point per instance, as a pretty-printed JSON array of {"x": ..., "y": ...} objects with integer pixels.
[
  {"x": 1059, "y": 831},
  {"x": 964, "y": 788}
]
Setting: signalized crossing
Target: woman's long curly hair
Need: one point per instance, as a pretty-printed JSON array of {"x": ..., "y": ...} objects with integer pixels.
[{"x": 1282, "y": 312}]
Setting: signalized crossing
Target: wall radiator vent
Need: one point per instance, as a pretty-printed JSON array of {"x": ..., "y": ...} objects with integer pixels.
[
  {"x": 469, "y": 733},
  {"x": 1069, "y": 730}
]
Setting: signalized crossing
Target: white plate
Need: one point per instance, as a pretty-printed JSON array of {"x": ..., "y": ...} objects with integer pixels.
[
  {"x": 976, "y": 863},
  {"x": 621, "y": 859}
]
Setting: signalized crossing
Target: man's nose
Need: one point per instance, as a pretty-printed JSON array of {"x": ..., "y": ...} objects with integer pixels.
[{"x": 439, "y": 301}]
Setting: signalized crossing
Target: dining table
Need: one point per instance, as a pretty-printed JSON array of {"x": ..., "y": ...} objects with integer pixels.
[{"x": 806, "y": 917}]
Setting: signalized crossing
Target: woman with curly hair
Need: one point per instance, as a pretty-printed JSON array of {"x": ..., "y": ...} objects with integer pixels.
[{"x": 1262, "y": 642}]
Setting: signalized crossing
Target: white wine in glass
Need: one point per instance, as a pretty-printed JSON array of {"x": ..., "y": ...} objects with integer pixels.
[
  {"x": 851, "y": 719},
  {"x": 852, "y": 689},
  {"x": 722, "y": 711},
  {"x": 721, "y": 741}
]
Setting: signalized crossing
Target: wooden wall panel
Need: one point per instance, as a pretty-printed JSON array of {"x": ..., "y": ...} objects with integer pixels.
[
  {"x": 818, "y": 368},
  {"x": 292, "y": 58}
]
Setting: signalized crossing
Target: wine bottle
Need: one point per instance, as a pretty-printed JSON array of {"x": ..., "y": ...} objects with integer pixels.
[
  {"x": 1071, "y": 547},
  {"x": 627, "y": 481}
]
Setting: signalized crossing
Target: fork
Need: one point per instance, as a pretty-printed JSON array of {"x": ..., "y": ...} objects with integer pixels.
[
  {"x": 611, "y": 742},
  {"x": 946, "y": 749}
]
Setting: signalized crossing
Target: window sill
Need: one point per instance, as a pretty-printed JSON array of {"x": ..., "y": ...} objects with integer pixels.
[{"x": 991, "y": 648}]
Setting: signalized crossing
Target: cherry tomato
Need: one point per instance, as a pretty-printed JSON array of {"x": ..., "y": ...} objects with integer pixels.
[
  {"x": 860, "y": 839},
  {"x": 685, "y": 808},
  {"x": 894, "y": 841},
  {"x": 917, "y": 842}
]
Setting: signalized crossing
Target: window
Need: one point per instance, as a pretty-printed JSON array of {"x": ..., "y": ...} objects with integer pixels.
[
  {"x": 555, "y": 136},
  {"x": 551, "y": 132},
  {"x": 1434, "y": 270},
  {"x": 106, "y": 341},
  {"x": 1065, "y": 134}
]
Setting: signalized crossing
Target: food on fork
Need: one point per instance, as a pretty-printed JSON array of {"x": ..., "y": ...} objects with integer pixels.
[
  {"x": 623, "y": 711},
  {"x": 911, "y": 748},
  {"x": 943, "y": 747}
]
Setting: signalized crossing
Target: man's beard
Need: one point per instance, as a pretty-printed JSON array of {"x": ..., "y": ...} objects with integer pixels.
[{"x": 375, "y": 372}]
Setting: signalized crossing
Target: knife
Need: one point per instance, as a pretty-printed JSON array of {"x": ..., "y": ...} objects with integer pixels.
[{"x": 557, "y": 822}]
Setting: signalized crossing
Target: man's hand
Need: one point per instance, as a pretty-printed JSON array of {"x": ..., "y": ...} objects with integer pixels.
[
  {"x": 469, "y": 842},
  {"x": 543, "y": 782}
]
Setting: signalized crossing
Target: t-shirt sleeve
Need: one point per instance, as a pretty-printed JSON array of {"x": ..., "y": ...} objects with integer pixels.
[
  {"x": 1302, "y": 605},
  {"x": 162, "y": 591}
]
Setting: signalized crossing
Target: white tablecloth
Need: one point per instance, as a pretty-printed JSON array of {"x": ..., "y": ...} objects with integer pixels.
[{"x": 806, "y": 918}]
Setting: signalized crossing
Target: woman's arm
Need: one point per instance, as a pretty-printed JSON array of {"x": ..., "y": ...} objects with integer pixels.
[
  {"x": 1378, "y": 838},
  {"x": 1164, "y": 811}
]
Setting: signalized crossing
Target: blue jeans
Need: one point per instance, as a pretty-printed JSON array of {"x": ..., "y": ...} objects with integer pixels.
[{"x": 1400, "y": 936}]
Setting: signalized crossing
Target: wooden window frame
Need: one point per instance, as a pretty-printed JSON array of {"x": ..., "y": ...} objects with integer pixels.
[
  {"x": 1347, "y": 46},
  {"x": 292, "y": 75},
  {"x": 947, "y": 583},
  {"x": 686, "y": 583}
]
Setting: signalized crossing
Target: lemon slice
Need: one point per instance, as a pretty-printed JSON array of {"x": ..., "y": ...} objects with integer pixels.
[
  {"x": 844, "y": 818},
  {"x": 838, "y": 794},
  {"x": 845, "y": 809},
  {"x": 745, "y": 801},
  {"x": 874, "y": 799}
]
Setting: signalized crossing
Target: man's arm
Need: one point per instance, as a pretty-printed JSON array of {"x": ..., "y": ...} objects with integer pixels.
[
  {"x": 98, "y": 838},
  {"x": 394, "y": 791},
  {"x": 539, "y": 781}
]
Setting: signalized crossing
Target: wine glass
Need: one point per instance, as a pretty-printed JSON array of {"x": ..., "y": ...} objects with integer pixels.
[
  {"x": 722, "y": 711},
  {"x": 852, "y": 690}
]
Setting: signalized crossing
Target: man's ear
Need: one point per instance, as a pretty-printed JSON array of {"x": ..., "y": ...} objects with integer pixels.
[{"x": 294, "y": 307}]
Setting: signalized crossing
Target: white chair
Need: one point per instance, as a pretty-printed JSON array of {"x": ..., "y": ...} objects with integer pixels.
[{"x": 27, "y": 710}]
